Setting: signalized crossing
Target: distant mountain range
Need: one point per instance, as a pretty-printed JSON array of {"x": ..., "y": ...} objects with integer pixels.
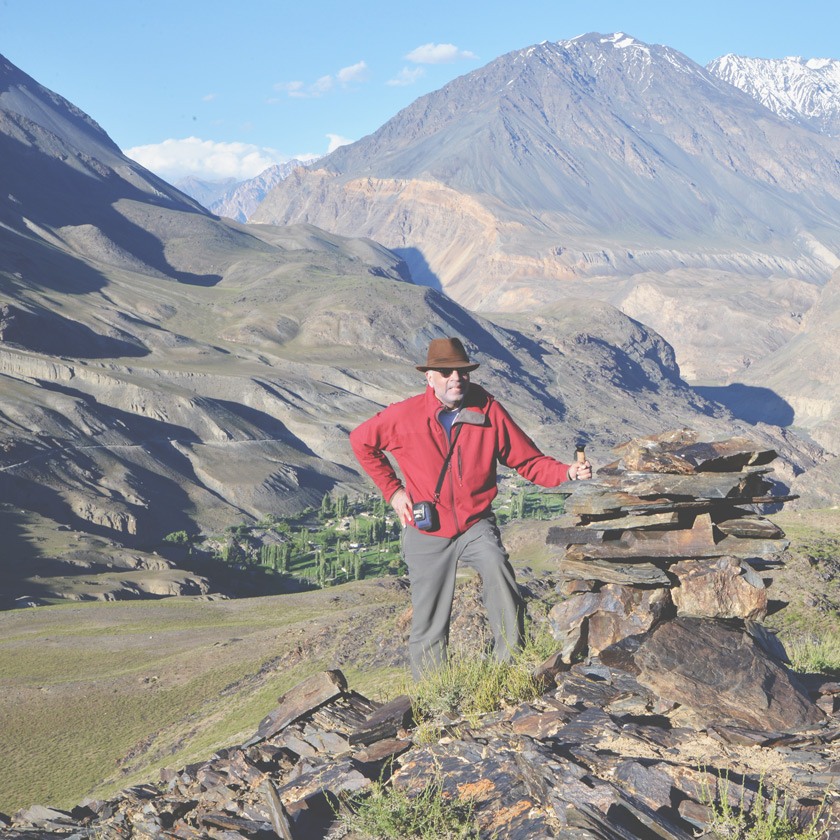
[
  {"x": 600, "y": 160},
  {"x": 133, "y": 374},
  {"x": 805, "y": 91},
  {"x": 206, "y": 192},
  {"x": 164, "y": 369},
  {"x": 234, "y": 199},
  {"x": 606, "y": 168}
]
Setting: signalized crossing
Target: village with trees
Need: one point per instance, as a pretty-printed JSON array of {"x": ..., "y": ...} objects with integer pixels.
[{"x": 342, "y": 540}]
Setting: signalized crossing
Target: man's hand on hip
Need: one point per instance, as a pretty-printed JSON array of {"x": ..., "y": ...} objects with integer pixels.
[{"x": 401, "y": 504}]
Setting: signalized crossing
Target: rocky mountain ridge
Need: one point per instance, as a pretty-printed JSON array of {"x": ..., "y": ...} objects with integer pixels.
[
  {"x": 802, "y": 90},
  {"x": 234, "y": 199},
  {"x": 656, "y": 716},
  {"x": 240, "y": 201},
  {"x": 595, "y": 756},
  {"x": 206, "y": 192},
  {"x": 600, "y": 167}
]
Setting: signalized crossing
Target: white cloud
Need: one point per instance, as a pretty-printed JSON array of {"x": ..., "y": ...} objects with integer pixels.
[
  {"x": 336, "y": 140},
  {"x": 210, "y": 97},
  {"x": 300, "y": 90},
  {"x": 407, "y": 76},
  {"x": 297, "y": 89},
  {"x": 323, "y": 85},
  {"x": 205, "y": 159},
  {"x": 355, "y": 73},
  {"x": 438, "y": 54}
]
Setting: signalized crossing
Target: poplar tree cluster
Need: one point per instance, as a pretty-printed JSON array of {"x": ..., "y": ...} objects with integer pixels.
[{"x": 339, "y": 541}]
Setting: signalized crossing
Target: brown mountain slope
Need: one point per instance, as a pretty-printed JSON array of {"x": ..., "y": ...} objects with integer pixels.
[
  {"x": 600, "y": 167},
  {"x": 163, "y": 369},
  {"x": 807, "y": 371}
]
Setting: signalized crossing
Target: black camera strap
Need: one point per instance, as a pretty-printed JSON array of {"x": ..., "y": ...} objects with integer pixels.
[{"x": 455, "y": 432}]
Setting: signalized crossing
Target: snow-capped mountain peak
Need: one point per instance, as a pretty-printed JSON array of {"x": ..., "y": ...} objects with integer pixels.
[
  {"x": 621, "y": 41},
  {"x": 806, "y": 91}
]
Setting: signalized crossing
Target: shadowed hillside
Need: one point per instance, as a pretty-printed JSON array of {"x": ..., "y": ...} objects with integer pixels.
[{"x": 162, "y": 369}]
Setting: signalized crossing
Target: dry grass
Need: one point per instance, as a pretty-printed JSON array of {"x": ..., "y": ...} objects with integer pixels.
[
  {"x": 97, "y": 696},
  {"x": 807, "y": 588}
]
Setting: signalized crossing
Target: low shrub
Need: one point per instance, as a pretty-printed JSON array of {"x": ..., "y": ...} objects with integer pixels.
[
  {"x": 469, "y": 686},
  {"x": 389, "y": 813},
  {"x": 815, "y": 655},
  {"x": 765, "y": 818}
]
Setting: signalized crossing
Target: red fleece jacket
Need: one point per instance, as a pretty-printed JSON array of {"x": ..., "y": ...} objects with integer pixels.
[{"x": 411, "y": 432}]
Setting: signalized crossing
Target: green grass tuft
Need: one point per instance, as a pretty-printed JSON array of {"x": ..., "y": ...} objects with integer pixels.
[
  {"x": 765, "y": 818},
  {"x": 470, "y": 686},
  {"x": 388, "y": 813},
  {"x": 815, "y": 655}
]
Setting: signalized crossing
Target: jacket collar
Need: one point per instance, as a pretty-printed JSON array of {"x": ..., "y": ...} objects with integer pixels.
[{"x": 476, "y": 402}]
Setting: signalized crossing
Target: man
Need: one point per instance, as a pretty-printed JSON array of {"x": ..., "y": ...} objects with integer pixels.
[{"x": 460, "y": 421}]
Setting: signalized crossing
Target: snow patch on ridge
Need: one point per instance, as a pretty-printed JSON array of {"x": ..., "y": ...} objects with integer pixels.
[
  {"x": 799, "y": 90},
  {"x": 620, "y": 40}
]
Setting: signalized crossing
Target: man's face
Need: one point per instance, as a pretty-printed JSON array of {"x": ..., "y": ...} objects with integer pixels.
[{"x": 450, "y": 385}]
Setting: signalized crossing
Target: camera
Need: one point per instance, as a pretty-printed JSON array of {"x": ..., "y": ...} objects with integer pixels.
[{"x": 425, "y": 516}]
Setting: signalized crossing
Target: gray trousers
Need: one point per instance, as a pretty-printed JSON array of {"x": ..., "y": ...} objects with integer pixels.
[{"x": 432, "y": 563}]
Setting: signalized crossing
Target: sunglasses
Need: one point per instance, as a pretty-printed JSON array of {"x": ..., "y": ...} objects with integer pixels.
[{"x": 447, "y": 372}]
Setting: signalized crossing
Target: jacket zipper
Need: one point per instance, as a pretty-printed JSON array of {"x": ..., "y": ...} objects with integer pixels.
[
  {"x": 452, "y": 490},
  {"x": 453, "y": 442}
]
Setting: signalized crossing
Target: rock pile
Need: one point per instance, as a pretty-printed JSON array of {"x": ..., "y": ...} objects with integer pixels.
[
  {"x": 667, "y": 697},
  {"x": 598, "y": 755},
  {"x": 668, "y": 529}
]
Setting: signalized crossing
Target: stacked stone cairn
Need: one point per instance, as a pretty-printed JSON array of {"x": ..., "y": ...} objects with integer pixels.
[
  {"x": 664, "y": 697},
  {"x": 669, "y": 528}
]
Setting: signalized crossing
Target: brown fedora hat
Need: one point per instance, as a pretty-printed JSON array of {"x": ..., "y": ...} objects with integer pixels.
[{"x": 447, "y": 353}]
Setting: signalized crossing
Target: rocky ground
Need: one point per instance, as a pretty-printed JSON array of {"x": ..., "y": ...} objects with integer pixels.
[{"x": 597, "y": 755}]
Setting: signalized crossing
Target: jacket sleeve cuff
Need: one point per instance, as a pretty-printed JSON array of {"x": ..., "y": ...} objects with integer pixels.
[{"x": 390, "y": 496}]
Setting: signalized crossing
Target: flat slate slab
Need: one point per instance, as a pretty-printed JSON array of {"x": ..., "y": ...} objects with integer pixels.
[
  {"x": 679, "y": 451},
  {"x": 719, "y": 670},
  {"x": 385, "y": 722},
  {"x": 628, "y": 490},
  {"x": 581, "y": 563},
  {"x": 752, "y": 527},
  {"x": 317, "y": 690},
  {"x": 595, "y": 756}
]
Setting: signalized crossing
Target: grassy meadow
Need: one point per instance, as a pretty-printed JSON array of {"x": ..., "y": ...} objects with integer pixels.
[{"x": 97, "y": 696}]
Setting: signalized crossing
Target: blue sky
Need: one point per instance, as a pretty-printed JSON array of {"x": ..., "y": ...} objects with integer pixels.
[{"x": 224, "y": 89}]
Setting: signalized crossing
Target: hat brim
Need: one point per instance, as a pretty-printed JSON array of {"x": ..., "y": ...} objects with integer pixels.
[{"x": 462, "y": 367}]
